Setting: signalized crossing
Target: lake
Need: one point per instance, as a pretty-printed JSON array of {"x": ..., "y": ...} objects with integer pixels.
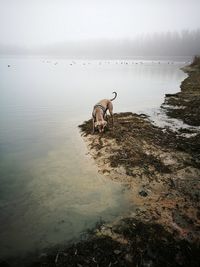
[{"x": 50, "y": 188}]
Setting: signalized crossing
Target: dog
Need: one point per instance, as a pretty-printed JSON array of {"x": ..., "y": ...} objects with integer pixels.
[{"x": 99, "y": 114}]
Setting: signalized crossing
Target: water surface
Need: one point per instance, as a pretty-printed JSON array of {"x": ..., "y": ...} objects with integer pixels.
[{"x": 50, "y": 189}]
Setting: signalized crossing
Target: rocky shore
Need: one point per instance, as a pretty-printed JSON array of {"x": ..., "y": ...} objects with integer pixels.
[
  {"x": 161, "y": 168},
  {"x": 185, "y": 104}
]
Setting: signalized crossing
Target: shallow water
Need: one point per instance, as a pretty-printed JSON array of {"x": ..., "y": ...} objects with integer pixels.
[{"x": 50, "y": 189}]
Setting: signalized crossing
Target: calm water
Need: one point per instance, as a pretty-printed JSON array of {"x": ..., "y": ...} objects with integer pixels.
[{"x": 50, "y": 189}]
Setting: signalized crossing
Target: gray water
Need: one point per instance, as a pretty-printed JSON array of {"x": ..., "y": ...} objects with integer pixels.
[{"x": 50, "y": 189}]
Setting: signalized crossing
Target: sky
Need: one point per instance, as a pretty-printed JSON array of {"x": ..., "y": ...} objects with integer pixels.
[{"x": 42, "y": 22}]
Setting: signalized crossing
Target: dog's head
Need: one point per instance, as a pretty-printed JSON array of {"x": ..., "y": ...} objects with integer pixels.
[{"x": 100, "y": 125}]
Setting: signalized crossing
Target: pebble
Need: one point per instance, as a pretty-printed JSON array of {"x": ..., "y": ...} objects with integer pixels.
[{"x": 143, "y": 193}]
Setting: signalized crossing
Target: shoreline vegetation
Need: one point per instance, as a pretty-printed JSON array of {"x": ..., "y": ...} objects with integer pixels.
[{"x": 161, "y": 167}]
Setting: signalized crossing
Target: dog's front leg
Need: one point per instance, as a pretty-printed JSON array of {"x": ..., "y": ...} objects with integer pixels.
[{"x": 92, "y": 125}]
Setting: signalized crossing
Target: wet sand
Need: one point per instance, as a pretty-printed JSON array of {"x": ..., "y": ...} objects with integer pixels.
[{"x": 161, "y": 168}]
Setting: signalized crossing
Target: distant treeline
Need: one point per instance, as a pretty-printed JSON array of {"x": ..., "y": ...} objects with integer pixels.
[{"x": 185, "y": 43}]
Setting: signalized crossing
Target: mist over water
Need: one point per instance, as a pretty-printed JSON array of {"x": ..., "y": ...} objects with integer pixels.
[
  {"x": 100, "y": 29},
  {"x": 169, "y": 44}
]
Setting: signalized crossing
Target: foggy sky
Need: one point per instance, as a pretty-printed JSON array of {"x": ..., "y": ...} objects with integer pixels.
[{"x": 43, "y": 22}]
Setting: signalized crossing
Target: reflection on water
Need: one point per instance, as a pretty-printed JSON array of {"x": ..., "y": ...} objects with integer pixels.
[{"x": 50, "y": 190}]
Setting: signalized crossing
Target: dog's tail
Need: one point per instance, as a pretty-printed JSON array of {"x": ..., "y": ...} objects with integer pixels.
[{"x": 114, "y": 96}]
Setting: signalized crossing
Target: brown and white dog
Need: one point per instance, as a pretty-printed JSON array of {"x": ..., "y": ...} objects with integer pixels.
[{"x": 99, "y": 114}]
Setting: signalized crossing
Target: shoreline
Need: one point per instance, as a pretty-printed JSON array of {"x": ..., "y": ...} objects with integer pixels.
[
  {"x": 185, "y": 104},
  {"x": 161, "y": 168}
]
